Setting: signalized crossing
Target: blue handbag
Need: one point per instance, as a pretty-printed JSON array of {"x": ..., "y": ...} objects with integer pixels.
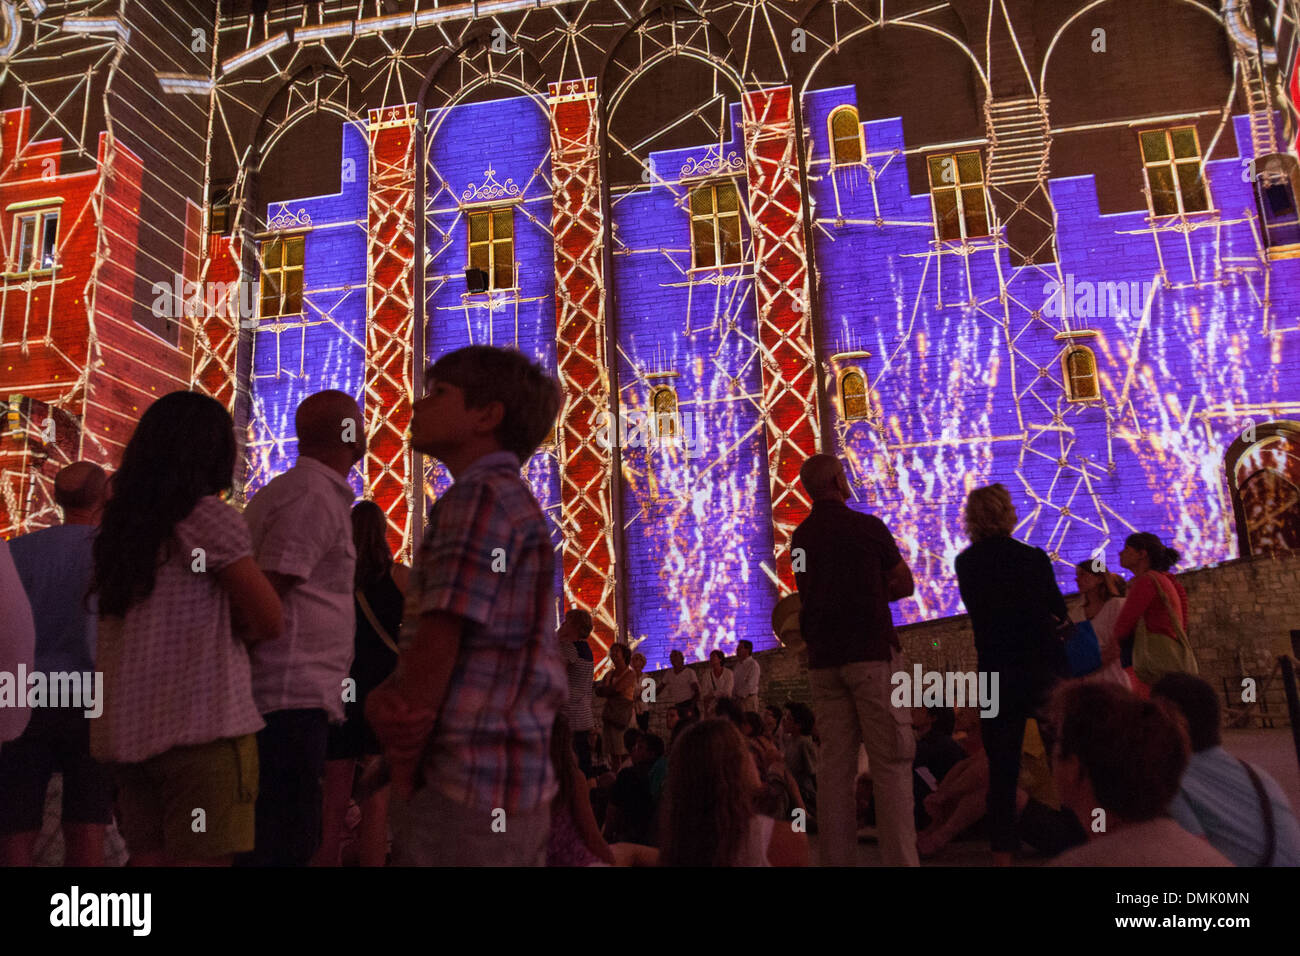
[{"x": 1083, "y": 650}]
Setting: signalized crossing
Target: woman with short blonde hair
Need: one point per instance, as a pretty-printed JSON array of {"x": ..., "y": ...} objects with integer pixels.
[
  {"x": 989, "y": 513},
  {"x": 1010, "y": 591}
]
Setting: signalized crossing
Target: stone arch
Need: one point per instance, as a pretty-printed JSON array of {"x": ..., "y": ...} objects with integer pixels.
[
  {"x": 1092, "y": 129},
  {"x": 872, "y": 59},
  {"x": 702, "y": 57},
  {"x": 1262, "y": 467}
]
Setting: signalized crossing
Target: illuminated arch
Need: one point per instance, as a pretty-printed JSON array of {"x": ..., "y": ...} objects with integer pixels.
[
  {"x": 855, "y": 403},
  {"x": 1080, "y": 367},
  {"x": 847, "y": 146},
  {"x": 1262, "y": 467},
  {"x": 873, "y": 25},
  {"x": 664, "y": 419},
  {"x": 1047, "y": 56}
]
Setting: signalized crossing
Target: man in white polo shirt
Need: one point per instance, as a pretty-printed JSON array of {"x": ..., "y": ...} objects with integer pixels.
[
  {"x": 302, "y": 537},
  {"x": 680, "y": 684},
  {"x": 746, "y": 677}
]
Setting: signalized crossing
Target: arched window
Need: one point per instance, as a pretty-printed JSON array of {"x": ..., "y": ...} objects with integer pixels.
[
  {"x": 1263, "y": 471},
  {"x": 846, "y": 136},
  {"x": 853, "y": 395},
  {"x": 1081, "y": 374},
  {"x": 663, "y": 406}
]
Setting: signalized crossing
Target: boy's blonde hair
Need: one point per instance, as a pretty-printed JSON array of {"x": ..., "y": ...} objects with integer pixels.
[{"x": 530, "y": 396}]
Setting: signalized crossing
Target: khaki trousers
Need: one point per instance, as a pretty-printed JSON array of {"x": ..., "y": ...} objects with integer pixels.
[{"x": 852, "y": 706}]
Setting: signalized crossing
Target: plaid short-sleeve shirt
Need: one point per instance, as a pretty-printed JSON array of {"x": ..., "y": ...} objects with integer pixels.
[{"x": 487, "y": 558}]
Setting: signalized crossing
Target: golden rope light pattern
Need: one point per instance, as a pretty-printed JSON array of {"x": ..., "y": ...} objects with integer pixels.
[
  {"x": 395, "y": 70},
  {"x": 391, "y": 310},
  {"x": 60, "y": 67}
]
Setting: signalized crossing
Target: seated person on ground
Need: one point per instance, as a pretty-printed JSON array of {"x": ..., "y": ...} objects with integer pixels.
[
  {"x": 1118, "y": 763},
  {"x": 1220, "y": 796}
]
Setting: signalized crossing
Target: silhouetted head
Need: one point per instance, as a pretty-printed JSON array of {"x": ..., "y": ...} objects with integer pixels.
[
  {"x": 989, "y": 513},
  {"x": 823, "y": 478}
]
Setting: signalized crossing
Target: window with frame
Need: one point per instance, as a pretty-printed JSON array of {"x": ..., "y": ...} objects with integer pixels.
[
  {"x": 846, "y": 136},
  {"x": 1171, "y": 161},
  {"x": 853, "y": 395},
  {"x": 282, "y": 260},
  {"x": 663, "y": 409},
  {"x": 1081, "y": 384},
  {"x": 715, "y": 225},
  {"x": 219, "y": 218},
  {"x": 1277, "y": 183},
  {"x": 492, "y": 245},
  {"x": 957, "y": 193},
  {"x": 36, "y": 240}
]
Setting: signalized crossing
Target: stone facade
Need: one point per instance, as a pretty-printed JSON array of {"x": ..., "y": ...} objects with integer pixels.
[{"x": 1241, "y": 614}]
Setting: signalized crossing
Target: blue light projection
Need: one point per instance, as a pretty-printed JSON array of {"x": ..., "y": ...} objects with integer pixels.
[
  {"x": 325, "y": 346},
  {"x": 494, "y": 155},
  {"x": 962, "y": 353}
]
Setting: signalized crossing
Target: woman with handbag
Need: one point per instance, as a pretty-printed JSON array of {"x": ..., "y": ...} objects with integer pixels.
[
  {"x": 1152, "y": 625},
  {"x": 618, "y": 687},
  {"x": 1016, "y": 613},
  {"x": 1103, "y": 599},
  {"x": 380, "y": 589}
]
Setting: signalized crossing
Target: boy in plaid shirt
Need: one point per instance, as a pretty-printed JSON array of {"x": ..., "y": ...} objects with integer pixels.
[{"x": 466, "y": 719}]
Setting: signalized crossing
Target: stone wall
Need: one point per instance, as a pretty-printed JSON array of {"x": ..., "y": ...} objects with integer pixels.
[{"x": 1241, "y": 616}]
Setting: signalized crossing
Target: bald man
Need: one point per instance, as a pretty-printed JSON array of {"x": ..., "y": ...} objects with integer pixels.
[
  {"x": 302, "y": 538},
  {"x": 848, "y": 568},
  {"x": 54, "y": 566}
]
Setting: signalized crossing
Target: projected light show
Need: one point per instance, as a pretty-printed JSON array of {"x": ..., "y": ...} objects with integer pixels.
[{"x": 738, "y": 234}]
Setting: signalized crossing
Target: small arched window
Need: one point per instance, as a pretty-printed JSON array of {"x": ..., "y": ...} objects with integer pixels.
[
  {"x": 1081, "y": 374},
  {"x": 846, "y": 136},
  {"x": 853, "y": 395},
  {"x": 663, "y": 406}
]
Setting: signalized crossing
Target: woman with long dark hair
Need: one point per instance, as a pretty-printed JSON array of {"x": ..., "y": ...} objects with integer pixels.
[
  {"x": 709, "y": 818},
  {"x": 1155, "y": 598},
  {"x": 380, "y": 594},
  {"x": 180, "y": 598},
  {"x": 1014, "y": 603},
  {"x": 575, "y": 838}
]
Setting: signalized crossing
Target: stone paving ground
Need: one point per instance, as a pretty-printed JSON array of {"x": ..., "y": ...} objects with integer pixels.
[{"x": 1273, "y": 750}]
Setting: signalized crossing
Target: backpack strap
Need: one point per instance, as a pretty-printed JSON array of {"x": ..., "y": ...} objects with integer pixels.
[{"x": 1266, "y": 808}]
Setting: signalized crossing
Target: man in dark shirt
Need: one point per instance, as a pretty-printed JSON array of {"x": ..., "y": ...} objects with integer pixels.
[
  {"x": 55, "y": 566},
  {"x": 849, "y": 569},
  {"x": 632, "y": 800}
]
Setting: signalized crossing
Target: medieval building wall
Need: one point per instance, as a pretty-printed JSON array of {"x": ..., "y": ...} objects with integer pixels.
[{"x": 910, "y": 302}]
